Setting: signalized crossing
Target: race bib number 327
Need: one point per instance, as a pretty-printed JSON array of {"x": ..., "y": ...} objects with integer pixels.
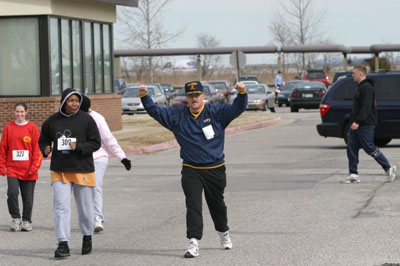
[{"x": 20, "y": 155}]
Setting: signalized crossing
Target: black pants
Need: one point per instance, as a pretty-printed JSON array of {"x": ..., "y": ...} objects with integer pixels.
[
  {"x": 213, "y": 181},
  {"x": 27, "y": 189}
]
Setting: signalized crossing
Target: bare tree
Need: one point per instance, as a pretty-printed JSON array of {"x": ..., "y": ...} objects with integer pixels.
[
  {"x": 300, "y": 25},
  {"x": 280, "y": 35},
  {"x": 208, "y": 62},
  {"x": 143, "y": 27}
]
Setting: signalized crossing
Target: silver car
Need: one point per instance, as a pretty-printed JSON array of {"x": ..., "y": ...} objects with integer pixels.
[
  {"x": 260, "y": 97},
  {"x": 131, "y": 103}
]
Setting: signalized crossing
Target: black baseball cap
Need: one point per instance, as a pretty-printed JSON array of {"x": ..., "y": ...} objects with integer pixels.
[{"x": 193, "y": 87}]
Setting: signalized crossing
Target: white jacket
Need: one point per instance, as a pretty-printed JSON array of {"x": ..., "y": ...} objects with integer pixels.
[{"x": 109, "y": 145}]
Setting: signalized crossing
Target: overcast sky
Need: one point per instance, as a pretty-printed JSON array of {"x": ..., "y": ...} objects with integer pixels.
[{"x": 245, "y": 23}]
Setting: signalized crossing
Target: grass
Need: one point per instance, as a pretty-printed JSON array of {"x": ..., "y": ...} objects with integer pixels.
[{"x": 141, "y": 130}]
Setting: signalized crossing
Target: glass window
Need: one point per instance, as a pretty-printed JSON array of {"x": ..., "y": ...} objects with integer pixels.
[
  {"x": 387, "y": 88},
  {"x": 55, "y": 65},
  {"x": 89, "y": 74},
  {"x": 151, "y": 91},
  {"x": 66, "y": 54},
  {"x": 107, "y": 58},
  {"x": 131, "y": 92},
  {"x": 218, "y": 85},
  {"x": 256, "y": 89},
  {"x": 98, "y": 66},
  {"x": 316, "y": 75},
  {"x": 206, "y": 90},
  {"x": 345, "y": 91},
  {"x": 77, "y": 55},
  {"x": 19, "y": 53}
]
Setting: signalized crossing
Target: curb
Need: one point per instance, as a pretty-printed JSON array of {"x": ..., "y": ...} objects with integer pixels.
[{"x": 173, "y": 143}]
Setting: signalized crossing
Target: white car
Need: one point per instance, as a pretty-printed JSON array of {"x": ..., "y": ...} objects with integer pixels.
[
  {"x": 131, "y": 103},
  {"x": 250, "y": 82}
]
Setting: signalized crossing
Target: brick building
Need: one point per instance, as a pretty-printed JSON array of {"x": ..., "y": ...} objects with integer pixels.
[{"x": 47, "y": 46}]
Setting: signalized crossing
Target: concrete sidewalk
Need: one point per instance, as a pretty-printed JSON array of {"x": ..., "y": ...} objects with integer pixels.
[
  {"x": 285, "y": 207},
  {"x": 144, "y": 216}
]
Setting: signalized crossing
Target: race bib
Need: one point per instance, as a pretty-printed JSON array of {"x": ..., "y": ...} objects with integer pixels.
[
  {"x": 208, "y": 132},
  {"x": 20, "y": 155},
  {"x": 63, "y": 143}
]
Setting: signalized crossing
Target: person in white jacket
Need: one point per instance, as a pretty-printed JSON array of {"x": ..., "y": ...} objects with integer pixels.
[{"x": 109, "y": 146}]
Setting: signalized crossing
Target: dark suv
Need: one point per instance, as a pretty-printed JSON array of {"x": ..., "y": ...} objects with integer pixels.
[{"x": 335, "y": 107}]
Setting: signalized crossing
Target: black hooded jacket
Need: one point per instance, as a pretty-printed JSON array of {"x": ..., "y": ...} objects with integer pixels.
[
  {"x": 364, "y": 104},
  {"x": 59, "y": 127}
]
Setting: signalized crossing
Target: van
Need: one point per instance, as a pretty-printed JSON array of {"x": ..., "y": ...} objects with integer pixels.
[{"x": 336, "y": 105}]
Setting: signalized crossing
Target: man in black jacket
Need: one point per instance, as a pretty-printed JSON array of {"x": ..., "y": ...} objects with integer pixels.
[{"x": 363, "y": 122}]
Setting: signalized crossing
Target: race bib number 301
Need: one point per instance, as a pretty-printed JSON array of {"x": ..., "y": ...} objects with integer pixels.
[
  {"x": 63, "y": 143},
  {"x": 20, "y": 155}
]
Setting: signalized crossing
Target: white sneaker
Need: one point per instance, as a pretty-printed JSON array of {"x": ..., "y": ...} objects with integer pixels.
[
  {"x": 26, "y": 226},
  {"x": 193, "y": 249},
  {"x": 391, "y": 173},
  {"x": 226, "y": 242},
  {"x": 15, "y": 224},
  {"x": 98, "y": 225},
  {"x": 351, "y": 179}
]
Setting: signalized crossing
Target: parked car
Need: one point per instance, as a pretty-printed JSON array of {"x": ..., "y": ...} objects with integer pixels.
[
  {"x": 211, "y": 96},
  {"x": 284, "y": 93},
  {"x": 247, "y": 78},
  {"x": 341, "y": 74},
  {"x": 169, "y": 92},
  {"x": 233, "y": 95},
  {"x": 119, "y": 85},
  {"x": 131, "y": 103},
  {"x": 315, "y": 75},
  {"x": 180, "y": 98},
  {"x": 336, "y": 105},
  {"x": 260, "y": 97},
  {"x": 160, "y": 89},
  {"x": 222, "y": 86},
  {"x": 158, "y": 85},
  {"x": 250, "y": 82},
  {"x": 306, "y": 95}
]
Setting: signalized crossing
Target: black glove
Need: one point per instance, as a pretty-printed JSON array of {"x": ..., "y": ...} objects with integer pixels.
[{"x": 126, "y": 163}]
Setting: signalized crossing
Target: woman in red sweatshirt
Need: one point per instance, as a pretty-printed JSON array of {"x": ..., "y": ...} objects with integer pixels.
[{"x": 20, "y": 160}]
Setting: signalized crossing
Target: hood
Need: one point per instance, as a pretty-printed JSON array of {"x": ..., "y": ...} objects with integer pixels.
[
  {"x": 131, "y": 100},
  {"x": 370, "y": 81},
  {"x": 64, "y": 96},
  {"x": 255, "y": 96}
]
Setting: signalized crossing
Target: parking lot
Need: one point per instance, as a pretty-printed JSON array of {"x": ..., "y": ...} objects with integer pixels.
[{"x": 285, "y": 207}]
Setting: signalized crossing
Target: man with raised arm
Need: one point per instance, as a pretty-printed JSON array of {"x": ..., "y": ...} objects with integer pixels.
[{"x": 200, "y": 132}]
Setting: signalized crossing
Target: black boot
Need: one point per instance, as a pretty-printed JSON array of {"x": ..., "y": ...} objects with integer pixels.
[
  {"x": 87, "y": 245},
  {"x": 63, "y": 250}
]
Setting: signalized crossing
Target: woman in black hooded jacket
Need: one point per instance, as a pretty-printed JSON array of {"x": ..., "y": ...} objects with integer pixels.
[{"x": 71, "y": 136}]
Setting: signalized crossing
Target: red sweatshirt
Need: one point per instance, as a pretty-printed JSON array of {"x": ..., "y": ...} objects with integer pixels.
[{"x": 19, "y": 151}]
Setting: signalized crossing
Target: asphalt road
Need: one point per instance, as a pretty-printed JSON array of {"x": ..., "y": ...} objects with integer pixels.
[{"x": 285, "y": 207}]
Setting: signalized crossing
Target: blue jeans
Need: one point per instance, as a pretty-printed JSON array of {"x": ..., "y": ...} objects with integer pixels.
[{"x": 363, "y": 137}]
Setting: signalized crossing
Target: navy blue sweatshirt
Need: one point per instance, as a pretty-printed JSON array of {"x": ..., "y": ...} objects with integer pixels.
[{"x": 196, "y": 150}]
